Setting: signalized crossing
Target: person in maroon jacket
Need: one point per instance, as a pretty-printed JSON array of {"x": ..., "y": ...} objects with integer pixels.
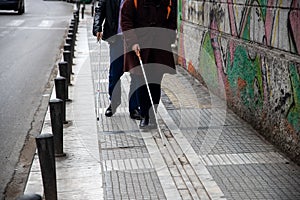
[{"x": 149, "y": 28}]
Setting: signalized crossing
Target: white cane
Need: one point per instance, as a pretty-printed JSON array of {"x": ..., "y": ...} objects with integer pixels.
[
  {"x": 98, "y": 85},
  {"x": 150, "y": 96}
]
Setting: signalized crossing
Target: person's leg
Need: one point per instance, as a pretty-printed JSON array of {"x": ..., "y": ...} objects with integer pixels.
[
  {"x": 144, "y": 101},
  {"x": 156, "y": 93},
  {"x": 134, "y": 97},
  {"x": 147, "y": 112},
  {"x": 115, "y": 73},
  {"x": 145, "y": 104},
  {"x": 155, "y": 88}
]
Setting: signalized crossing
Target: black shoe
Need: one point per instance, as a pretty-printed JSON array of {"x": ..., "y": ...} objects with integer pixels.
[
  {"x": 144, "y": 122},
  {"x": 135, "y": 114},
  {"x": 109, "y": 111}
]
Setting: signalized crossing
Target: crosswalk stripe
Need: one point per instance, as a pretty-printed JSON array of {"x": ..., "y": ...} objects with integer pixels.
[
  {"x": 15, "y": 23},
  {"x": 46, "y": 23},
  {"x": 3, "y": 33}
]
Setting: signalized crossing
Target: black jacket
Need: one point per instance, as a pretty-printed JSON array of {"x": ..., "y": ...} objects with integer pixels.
[{"x": 107, "y": 10}]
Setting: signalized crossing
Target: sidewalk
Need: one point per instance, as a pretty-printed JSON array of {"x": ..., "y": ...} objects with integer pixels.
[{"x": 210, "y": 152}]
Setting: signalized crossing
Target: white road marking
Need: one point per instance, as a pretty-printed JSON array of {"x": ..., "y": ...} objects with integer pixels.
[
  {"x": 15, "y": 22},
  {"x": 46, "y": 23}
]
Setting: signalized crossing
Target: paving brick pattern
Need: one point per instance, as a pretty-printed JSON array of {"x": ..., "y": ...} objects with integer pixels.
[
  {"x": 128, "y": 172},
  {"x": 258, "y": 181},
  {"x": 133, "y": 184},
  {"x": 232, "y": 140},
  {"x": 242, "y": 163},
  {"x": 209, "y": 152}
]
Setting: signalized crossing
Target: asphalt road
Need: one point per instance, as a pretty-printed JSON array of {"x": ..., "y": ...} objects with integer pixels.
[{"x": 30, "y": 46}]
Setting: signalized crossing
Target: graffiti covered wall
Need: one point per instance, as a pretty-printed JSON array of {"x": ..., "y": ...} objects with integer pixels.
[{"x": 250, "y": 51}]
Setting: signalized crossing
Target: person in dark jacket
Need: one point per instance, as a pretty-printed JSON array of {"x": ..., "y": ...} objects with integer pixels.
[
  {"x": 109, "y": 10},
  {"x": 149, "y": 28}
]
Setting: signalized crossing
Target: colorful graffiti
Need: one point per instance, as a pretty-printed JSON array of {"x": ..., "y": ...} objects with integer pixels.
[
  {"x": 293, "y": 114},
  {"x": 252, "y": 48},
  {"x": 294, "y": 26}
]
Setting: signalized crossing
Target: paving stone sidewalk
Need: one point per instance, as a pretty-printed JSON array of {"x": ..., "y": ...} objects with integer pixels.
[{"x": 210, "y": 152}]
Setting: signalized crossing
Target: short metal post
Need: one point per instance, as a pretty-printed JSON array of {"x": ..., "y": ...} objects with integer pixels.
[
  {"x": 70, "y": 42},
  {"x": 74, "y": 23},
  {"x": 76, "y": 16},
  {"x": 56, "y": 115},
  {"x": 64, "y": 72},
  {"x": 92, "y": 8},
  {"x": 77, "y": 5},
  {"x": 67, "y": 47},
  {"x": 82, "y": 11},
  {"x": 72, "y": 30},
  {"x": 71, "y": 36},
  {"x": 60, "y": 83},
  {"x": 77, "y": 21},
  {"x": 67, "y": 58},
  {"x": 30, "y": 197},
  {"x": 45, "y": 147}
]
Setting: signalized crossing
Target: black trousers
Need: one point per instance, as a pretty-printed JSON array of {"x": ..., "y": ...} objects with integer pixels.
[
  {"x": 154, "y": 74},
  {"x": 154, "y": 84}
]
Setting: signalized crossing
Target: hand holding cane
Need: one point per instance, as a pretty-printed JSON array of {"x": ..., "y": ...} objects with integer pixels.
[{"x": 137, "y": 51}]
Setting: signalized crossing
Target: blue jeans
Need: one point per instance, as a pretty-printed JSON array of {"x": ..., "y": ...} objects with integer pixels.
[{"x": 116, "y": 70}]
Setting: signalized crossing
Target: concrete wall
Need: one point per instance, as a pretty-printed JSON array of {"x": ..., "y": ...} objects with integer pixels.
[{"x": 249, "y": 51}]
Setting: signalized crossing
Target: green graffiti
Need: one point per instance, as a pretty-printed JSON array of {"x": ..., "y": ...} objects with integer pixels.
[
  {"x": 246, "y": 71},
  {"x": 263, "y": 8},
  {"x": 294, "y": 114},
  {"x": 245, "y": 33},
  {"x": 207, "y": 64},
  {"x": 179, "y": 11}
]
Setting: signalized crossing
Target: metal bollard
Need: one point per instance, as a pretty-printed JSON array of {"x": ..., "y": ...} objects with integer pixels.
[
  {"x": 73, "y": 22},
  {"x": 76, "y": 22},
  {"x": 56, "y": 109},
  {"x": 77, "y": 5},
  {"x": 70, "y": 42},
  {"x": 30, "y": 197},
  {"x": 60, "y": 83},
  {"x": 67, "y": 47},
  {"x": 71, "y": 26},
  {"x": 82, "y": 11},
  {"x": 71, "y": 35},
  {"x": 64, "y": 72},
  {"x": 45, "y": 146},
  {"x": 72, "y": 30},
  {"x": 76, "y": 16},
  {"x": 67, "y": 58},
  {"x": 92, "y": 9}
]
